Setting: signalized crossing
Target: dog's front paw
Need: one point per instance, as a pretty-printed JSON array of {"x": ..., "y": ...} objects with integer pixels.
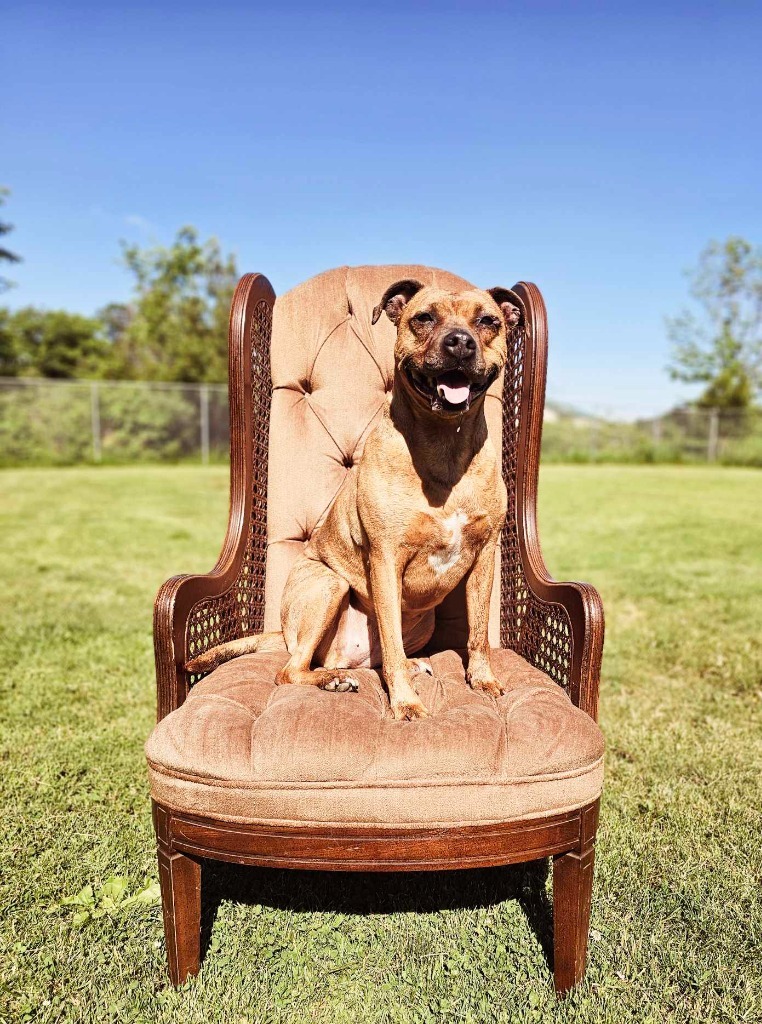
[
  {"x": 341, "y": 684},
  {"x": 405, "y": 702},
  {"x": 486, "y": 683},
  {"x": 408, "y": 709}
]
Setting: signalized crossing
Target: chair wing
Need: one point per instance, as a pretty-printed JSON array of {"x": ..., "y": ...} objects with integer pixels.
[
  {"x": 556, "y": 626},
  {"x": 193, "y": 613}
]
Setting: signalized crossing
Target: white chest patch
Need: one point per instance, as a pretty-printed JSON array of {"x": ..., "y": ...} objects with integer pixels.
[{"x": 449, "y": 553}]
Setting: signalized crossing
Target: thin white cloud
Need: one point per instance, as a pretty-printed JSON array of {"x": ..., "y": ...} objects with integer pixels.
[{"x": 136, "y": 220}]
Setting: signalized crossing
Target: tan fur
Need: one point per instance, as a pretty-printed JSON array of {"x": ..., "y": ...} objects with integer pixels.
[{"x": 422, "y": 509}]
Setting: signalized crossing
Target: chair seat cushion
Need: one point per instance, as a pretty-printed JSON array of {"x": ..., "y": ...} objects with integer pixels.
[{"x": 243, "y": 749}]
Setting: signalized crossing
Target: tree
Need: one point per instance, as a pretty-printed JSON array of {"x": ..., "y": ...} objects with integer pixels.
[
  {"x": 115, "y": 318},
  {"x": 50, "y": 343},
  {"x": 6, "y": 254},
  {"x": 8, "y": 355},
  {"x": 721, "y": 347},
  {"x": 176, "y": 327}
]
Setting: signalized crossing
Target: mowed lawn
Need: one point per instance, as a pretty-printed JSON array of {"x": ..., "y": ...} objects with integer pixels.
[{"x": 676, "y": 921}]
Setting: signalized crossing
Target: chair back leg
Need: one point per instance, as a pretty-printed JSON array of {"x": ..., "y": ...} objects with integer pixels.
[
  {"x": 180, "y": 881},
  {"x": 572, "y": 891}
]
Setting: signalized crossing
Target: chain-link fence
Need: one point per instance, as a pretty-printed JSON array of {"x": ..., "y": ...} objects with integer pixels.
[
  {"x": 49, "y": 422},
  {"x": 687, "y": 434}
]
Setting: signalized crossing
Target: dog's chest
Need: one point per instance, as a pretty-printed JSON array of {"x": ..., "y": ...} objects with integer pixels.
[
  {"x": 451, "y": 541},
  {"x": 442, "y": 548}
]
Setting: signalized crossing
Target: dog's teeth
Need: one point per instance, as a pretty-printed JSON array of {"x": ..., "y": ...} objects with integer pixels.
[
  {"x": 330, "y": 685},
  {"x": 343, "y": 685}
]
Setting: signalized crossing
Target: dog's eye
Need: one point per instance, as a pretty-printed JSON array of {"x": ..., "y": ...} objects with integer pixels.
[
  {"x": 488, "y": 321},
  {"x": 423, "y": 318}
]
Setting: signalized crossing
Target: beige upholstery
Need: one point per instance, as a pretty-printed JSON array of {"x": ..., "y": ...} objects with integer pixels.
[{"x": 244, "y": 749}]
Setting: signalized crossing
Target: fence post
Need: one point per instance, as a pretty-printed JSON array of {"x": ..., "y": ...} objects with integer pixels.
[
  {"x": 592, "y": 440},
  {"x": 203, "y": 397},
  {"x": 95, "y": 420},
  {"x": 714, "y": 435}
]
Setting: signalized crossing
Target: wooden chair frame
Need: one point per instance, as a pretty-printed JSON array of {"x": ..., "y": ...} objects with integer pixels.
[{"x": 557, "y": 626}]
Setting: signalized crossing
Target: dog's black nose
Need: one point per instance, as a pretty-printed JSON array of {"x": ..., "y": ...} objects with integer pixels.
[{"x": 460, "y": 345}]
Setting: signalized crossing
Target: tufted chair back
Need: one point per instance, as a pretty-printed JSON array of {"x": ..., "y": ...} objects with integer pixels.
[{"x": 332, "y": 372}]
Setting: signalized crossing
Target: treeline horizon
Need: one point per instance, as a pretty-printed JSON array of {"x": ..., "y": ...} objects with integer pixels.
[{"x": 174, "y": 327}]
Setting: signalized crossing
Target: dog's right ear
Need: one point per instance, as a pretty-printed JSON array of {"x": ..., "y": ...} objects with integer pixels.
[
  {"x": 394, "y": 300},
  {"x": 511, "y": 306}
]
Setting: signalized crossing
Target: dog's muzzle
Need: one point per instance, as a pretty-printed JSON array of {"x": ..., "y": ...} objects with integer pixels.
[{"x": 448, "y": 390}]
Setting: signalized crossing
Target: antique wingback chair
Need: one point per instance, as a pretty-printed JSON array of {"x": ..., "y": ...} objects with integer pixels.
[{"x": 291, "y": 776}]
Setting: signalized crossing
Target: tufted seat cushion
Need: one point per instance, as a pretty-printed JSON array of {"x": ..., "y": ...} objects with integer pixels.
[{"x": 243, "y": 749}]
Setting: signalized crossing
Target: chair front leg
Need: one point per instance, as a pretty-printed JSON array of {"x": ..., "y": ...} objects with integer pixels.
[
  {"x": 572, "y": 891},
  {"x": 180, "y": 881}
]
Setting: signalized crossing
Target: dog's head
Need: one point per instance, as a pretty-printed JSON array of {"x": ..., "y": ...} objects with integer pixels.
[{"x": 450, "y": 345}]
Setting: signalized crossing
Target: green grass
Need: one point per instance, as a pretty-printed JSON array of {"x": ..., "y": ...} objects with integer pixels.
[{"x": 677, "y": 555}]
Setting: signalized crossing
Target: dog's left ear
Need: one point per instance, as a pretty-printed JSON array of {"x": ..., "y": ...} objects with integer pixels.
[
  {"x": 394, "y": 300},
  {"x": 511, "y": 305}
]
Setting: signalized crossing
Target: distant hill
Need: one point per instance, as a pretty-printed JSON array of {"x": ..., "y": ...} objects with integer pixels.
[{"x": 557, "y": 411}]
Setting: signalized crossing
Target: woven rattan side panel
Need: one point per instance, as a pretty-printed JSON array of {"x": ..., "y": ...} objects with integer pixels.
[
  {"x": 536, "y": 629},
  {"x": 240, "y": 610}
]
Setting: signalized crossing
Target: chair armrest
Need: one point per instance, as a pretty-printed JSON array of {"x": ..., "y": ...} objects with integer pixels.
[
  {"x": 194, "y": 613},
  {"x": 564, "y": 629},
  {"x": 556, "y": 626}
]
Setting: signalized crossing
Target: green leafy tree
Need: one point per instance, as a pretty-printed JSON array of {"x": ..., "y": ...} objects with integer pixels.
[
  {"x": 721, "y": 345},
  {"x": 115, "y": 319},
  {"x": 8, "y": 355},
  {"x": 176, "y": 327},
  {"x": 6, "y": 254},
  {"x": 50, "y": 343}
]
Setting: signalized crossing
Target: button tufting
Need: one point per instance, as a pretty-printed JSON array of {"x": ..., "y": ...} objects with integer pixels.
[
  {"x": 306, "y": 386},
  {"x": 348, "y": 461}
]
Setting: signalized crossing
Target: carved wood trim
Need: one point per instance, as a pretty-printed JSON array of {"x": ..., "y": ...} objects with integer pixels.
[{"x": 344, "y": 848}]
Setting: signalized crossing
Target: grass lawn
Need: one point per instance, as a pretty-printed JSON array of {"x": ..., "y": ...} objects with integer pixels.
[{"x": 676, "y": 920}]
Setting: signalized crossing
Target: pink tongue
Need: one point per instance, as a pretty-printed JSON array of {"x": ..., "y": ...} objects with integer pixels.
[{"x": 454, "y": 395}]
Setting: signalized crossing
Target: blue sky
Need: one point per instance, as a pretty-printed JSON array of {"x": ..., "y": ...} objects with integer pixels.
[{"x": 591, "y": 147}]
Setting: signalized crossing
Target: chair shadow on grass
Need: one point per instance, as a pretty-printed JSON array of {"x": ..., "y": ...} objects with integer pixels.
[{"x": 381, "y": 892}]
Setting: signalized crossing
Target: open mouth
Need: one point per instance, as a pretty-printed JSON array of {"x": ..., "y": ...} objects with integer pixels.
[{"x": 449, "y": 391}]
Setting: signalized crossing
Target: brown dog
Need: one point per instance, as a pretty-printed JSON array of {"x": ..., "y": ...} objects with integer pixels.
[{"x": 422, "y": 509}]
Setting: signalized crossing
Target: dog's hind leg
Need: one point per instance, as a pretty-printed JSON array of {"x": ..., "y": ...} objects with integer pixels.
[
  {"x": 314, "y": 599},
  {"x": 224, "y": 652}
]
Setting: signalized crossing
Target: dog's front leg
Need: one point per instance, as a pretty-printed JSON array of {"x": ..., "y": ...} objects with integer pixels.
[
  {"x": 478, "y": 590},
  {"x": 386, "y": 592}
]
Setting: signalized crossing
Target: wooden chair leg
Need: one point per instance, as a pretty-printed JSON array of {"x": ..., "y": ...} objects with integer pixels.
[
  {"x": 572, "y": 890},
  {"x": 180, "y": 880}
]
